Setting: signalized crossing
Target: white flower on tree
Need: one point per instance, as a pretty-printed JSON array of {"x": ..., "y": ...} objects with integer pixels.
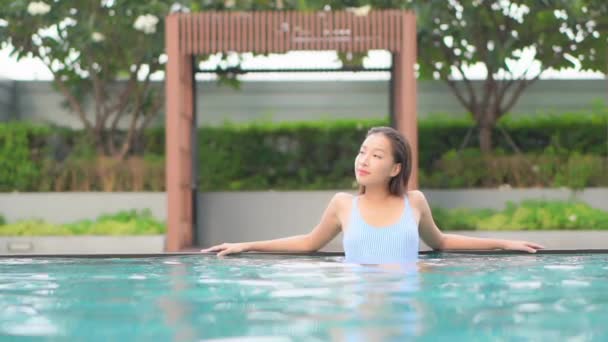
[
  {"x": 38, "y": 8},
  {"x": 146, "y": 23},
  {"x": 98, "y": 37}
]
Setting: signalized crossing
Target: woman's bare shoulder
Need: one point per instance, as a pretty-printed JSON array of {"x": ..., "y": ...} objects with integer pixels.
[
  {"x": 341, "y": 200},
  {"x": 417, "y": 198},
  {"x": 343, "y": 197},
  {"x": 417, "y": 194}
]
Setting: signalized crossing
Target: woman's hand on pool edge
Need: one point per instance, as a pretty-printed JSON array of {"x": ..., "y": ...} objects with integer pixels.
[
  {"x": 227, "y": 248},
  {"x": 525, "y": 246}
]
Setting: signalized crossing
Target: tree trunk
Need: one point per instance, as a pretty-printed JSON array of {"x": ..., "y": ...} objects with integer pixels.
[
  {"x": 98, "y": 141},
  {"x": 485, "y": 138}
]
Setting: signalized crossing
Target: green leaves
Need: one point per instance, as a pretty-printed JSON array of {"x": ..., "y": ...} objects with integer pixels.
[
  {"x": 132, "y": 222},
  {"x": 514, "y": 41},
  {"x": 18, "y": 170},
  {"x": 494, "y": 32},
  {"x": 87, "y": 46},
  {"x": 527, "y": 215}
]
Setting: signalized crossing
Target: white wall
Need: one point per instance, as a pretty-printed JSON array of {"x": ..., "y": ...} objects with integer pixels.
[
  {"x": 299, "y": 100},
  {"x": 245, "y": 216}
]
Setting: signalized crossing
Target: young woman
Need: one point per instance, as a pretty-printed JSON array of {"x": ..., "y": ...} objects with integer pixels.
[{"x": 383, "y": 223}]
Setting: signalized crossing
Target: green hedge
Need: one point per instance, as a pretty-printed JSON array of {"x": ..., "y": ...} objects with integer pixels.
[
  {"x": 309, "y": 155},
  {"x": 123, "y": 223},
  {"x": 528, "y": 215},
  {"x": 18, "y": 153},
  {"x": 471, "y": 169},
  {"x": 319, "y": 155},
  {"x": 584, "y": 133}
]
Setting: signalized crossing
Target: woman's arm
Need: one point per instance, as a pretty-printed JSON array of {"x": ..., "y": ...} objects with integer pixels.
[
  {"x": 435, "y": 239},
  {"x": 323, "y": 233}
]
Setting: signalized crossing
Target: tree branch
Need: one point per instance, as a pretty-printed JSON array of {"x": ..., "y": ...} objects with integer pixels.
[
  {"x": 489, "y": 91},
  {"x": 127, "y": 143},
  {"x": 469, "y": 85},
  {"x": 124, "y": 98},
  {"x": 523, "y": 83},
  {"x": 501, "y": 92},
  {"x": 458, "y": 93},
  {"x": 153, "y": 113},
  {"x": 120, "y": 107},
  {"x": 98, "y": 99},
  {"x": 73, "y": 103},
  {"x": 471, "y": 103}
]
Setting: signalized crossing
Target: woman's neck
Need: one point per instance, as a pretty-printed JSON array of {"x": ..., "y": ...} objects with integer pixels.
[{"x": 377, "y": 194}]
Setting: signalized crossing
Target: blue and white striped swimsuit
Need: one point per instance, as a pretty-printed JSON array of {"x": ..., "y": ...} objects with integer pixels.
[{"x": 394, "y": 244}]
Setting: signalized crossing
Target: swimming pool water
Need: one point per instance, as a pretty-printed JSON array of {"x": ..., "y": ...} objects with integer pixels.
[{"x": 297, "y": 298}]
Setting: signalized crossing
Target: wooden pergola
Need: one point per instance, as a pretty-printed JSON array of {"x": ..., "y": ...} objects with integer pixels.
[{"x": 191, "y": 34}]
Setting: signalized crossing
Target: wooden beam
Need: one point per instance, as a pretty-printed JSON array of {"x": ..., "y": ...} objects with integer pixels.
[{"x": 404, "y": 96}]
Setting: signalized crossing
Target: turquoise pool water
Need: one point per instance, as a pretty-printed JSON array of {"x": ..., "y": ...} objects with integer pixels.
[{"x": 289, "y": 298}]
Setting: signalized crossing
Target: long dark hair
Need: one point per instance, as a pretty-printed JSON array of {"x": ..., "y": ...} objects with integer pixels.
[{"x": 402, "y": 154}]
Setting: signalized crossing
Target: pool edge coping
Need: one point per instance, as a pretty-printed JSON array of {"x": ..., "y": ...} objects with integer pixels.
[{"x": 315, "y": 254}]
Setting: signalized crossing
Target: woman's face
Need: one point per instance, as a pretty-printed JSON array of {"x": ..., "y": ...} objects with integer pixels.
[{"x": 374, "y": 164}]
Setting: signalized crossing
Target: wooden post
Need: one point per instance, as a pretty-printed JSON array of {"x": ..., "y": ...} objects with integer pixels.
[
  {"x": 404, "y": 87},
  {"x": 178, "y": 122}
]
